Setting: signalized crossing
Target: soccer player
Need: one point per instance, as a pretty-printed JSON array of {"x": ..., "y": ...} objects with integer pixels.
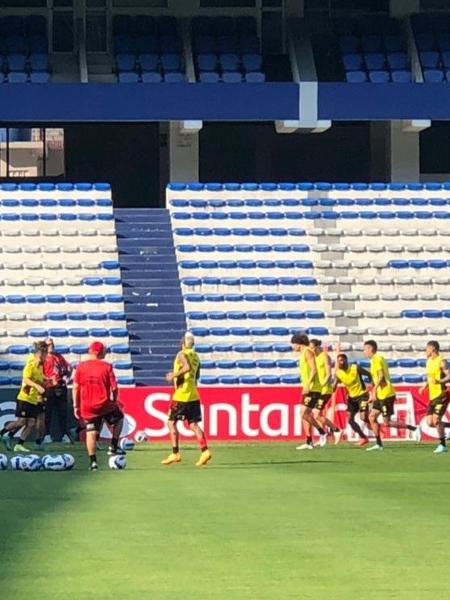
[
  {"x": 30, "y": 401},
  {"x": 438, "y": 375},
  {"x": 351, "y": 377},
  {"x": 383, "y": 395},
  {"x": 58, "y": 371},
  {"x": 324, "y": 371},
  {"x": 185, "y": 403},
  {"x": 95, "y": 399},
  {"x": 312, "y": 389}
]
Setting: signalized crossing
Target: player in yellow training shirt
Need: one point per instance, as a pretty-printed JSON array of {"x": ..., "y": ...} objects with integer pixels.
[
  {"x": 438, "y": 375},
  {"x": 185, "y": 403},
  {"x": 325, "y": 373},
  {"x": 351, "y": 377},
  {"x": 30, "y": 400},
  {"x": 383, "y": 396},
  {"x": 311, "y": 389}
]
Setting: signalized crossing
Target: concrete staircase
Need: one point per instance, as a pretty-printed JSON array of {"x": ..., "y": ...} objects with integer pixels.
[{"x": 152, "y": 293}]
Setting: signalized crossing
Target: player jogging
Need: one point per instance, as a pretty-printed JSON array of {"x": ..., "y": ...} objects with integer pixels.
[
  {"x": 351, "y": 377},
  {"x": 312, "y": 389},
  {"x": 325, "y": 373},
  {"x": 438, "y": 375},
  {"x": 30, "y": 402},
  {"x": 95, "y": 399},
  {"x": 383, "y": 396},
  {"x": 185, "y": 403}
]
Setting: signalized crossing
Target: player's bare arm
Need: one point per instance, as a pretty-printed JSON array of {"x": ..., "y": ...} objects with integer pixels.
[{"x": 185, "y": 368}]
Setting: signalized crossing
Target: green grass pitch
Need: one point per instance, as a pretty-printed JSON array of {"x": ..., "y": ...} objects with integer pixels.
[{"x": 260, "y": 522}]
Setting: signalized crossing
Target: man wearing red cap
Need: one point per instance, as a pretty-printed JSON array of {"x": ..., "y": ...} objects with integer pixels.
[{"x": 95, "y": 396}]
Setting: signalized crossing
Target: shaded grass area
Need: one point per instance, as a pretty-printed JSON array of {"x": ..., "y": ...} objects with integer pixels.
[{"x": 260, "y": 522}]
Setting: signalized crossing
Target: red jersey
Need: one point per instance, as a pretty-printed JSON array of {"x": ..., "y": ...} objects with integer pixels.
[
  {"x": 56, "y": 367},
  {"x": 96, "y": 381}
]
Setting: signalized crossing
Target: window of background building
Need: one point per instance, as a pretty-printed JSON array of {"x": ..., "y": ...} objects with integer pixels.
[{"x": 31, "y": 152}]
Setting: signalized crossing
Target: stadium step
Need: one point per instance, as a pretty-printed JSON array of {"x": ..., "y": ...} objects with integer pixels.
[{"x": 151, "y": 288}]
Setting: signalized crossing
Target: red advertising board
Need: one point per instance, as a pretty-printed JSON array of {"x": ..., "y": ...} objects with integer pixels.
[{"x": 254, "y": 413}]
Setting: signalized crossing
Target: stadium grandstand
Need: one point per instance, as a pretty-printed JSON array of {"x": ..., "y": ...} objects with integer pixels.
[
  {"x": 252, "y": 198},
  {"x": 325, "y": 92}
]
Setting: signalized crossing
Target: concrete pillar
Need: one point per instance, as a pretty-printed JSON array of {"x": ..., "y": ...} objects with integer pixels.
[
  {"x": 184, "y": 153},
  {"x": 395, "y": 153},
  {"x": 400, "y": 8},
  {"x": 404, "y": 153}
]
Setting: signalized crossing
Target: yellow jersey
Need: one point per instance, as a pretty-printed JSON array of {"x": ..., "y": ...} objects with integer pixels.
[
  {"x": 321, "y": 364},
  {"x": 378, "y": 363},
  {"x": 434, "y": 373},
  {"x": 186, "y": 385},
  {"x": 36, "y": 374},
  {"x": 352, "y": 381},
  {"x": 305, "y": 371}
]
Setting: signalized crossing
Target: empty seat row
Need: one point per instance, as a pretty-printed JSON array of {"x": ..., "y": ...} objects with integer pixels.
[
  {"x": 286, "y": 379},
  {"x": 375, "y": 61},
  {"x": 22, "y": 77},
  {"x": 26, "y": 216},
  {"x": 60, "y": 298},
  {"x": 255, "y": 331},
  {"x": 304, "y": 248},
  {"x": 323, "y": 186},
  {"x": 397, "y": 76},
  {"x": 51, "y": 203},
  {"x": 22, "y": 62},
  {"x": 22, "y": 349},
  {"x": 229, "y": 62},
  {"x": 17, "y": 365},
  {"x": 16, "y": 266},
  {"x": 232, "y": 77},
  {"x": 151, "y": 77},
  {"x": 308, "y": 202},
  {"x": 313, "y": 215},
  {"x": 281, "y": 315},
  {"x": 307, "y": 264},
  {"x": 149, "y": 62},
  {"x": 292, "y": 363},
  {"x": 42, "y": 333},
  {"x": 308, "y": 297},
  {"x": 48, "y": 249},
  {"x": 52, "y": 187},
  {"x": 55, "y": 233}
]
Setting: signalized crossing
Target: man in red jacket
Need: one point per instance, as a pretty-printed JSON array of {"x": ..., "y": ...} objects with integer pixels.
[
  {"x": 95, "y": 399},
  {"x": 57, "y": 370}
]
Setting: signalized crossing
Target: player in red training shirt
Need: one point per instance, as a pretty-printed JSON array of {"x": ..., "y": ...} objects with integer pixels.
[{"x": 95, "y": 400}]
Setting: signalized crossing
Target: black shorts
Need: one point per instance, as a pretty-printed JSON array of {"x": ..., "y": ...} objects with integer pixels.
[
  {"x": 111, "y": 418},
  {"x": 311, "y": 400},
  {"x": 358, "y": 404},
  {"x": 323, "y": 400},
  {"x": 438, "y": 406},
  {"x": 185, "y": 411},
  {"x": 26, "y": 410},
  {"x": 386, "y": 407}
]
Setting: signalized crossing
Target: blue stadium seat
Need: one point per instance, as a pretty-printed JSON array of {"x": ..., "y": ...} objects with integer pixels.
[
  {"x": 397, "y": 61},
  {"x": 128, "y": 77},
  {"x": 433, "y": 75},
  {"x": 149, "y": 62},
  {"x": 126, "y": 62},
  {"x": 231, "y": 77},
  {"x": 255, "y": 77},
  {"x": 374, "y": 61},
  {"x": 209, "y": 77},
  {"x": 356, "y": 77},
  {"x": 229, "y": 62},
  {"x": 430, "y": 59},
  {"x": 17, "y": 77},
  {"x": 207, "y": 62},
  {"x": 379, "y": 76},
  {"x": 401, "y": 76},
  {"x": 171, "y": 62},
  {"x": 151, "y": 77},
  {"x": 352, "y": 62}
]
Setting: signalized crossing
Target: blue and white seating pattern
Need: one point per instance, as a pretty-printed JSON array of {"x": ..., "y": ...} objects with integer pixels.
[
  {"x": 340, "y": 261},
  {"x": 60, "y": 274}
]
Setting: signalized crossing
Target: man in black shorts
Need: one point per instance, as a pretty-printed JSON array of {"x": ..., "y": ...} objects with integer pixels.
[
  {"x": 95, "y": 399},
  {"x": 30, "y": 400},
  {"x": 351, "y": 377}
]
